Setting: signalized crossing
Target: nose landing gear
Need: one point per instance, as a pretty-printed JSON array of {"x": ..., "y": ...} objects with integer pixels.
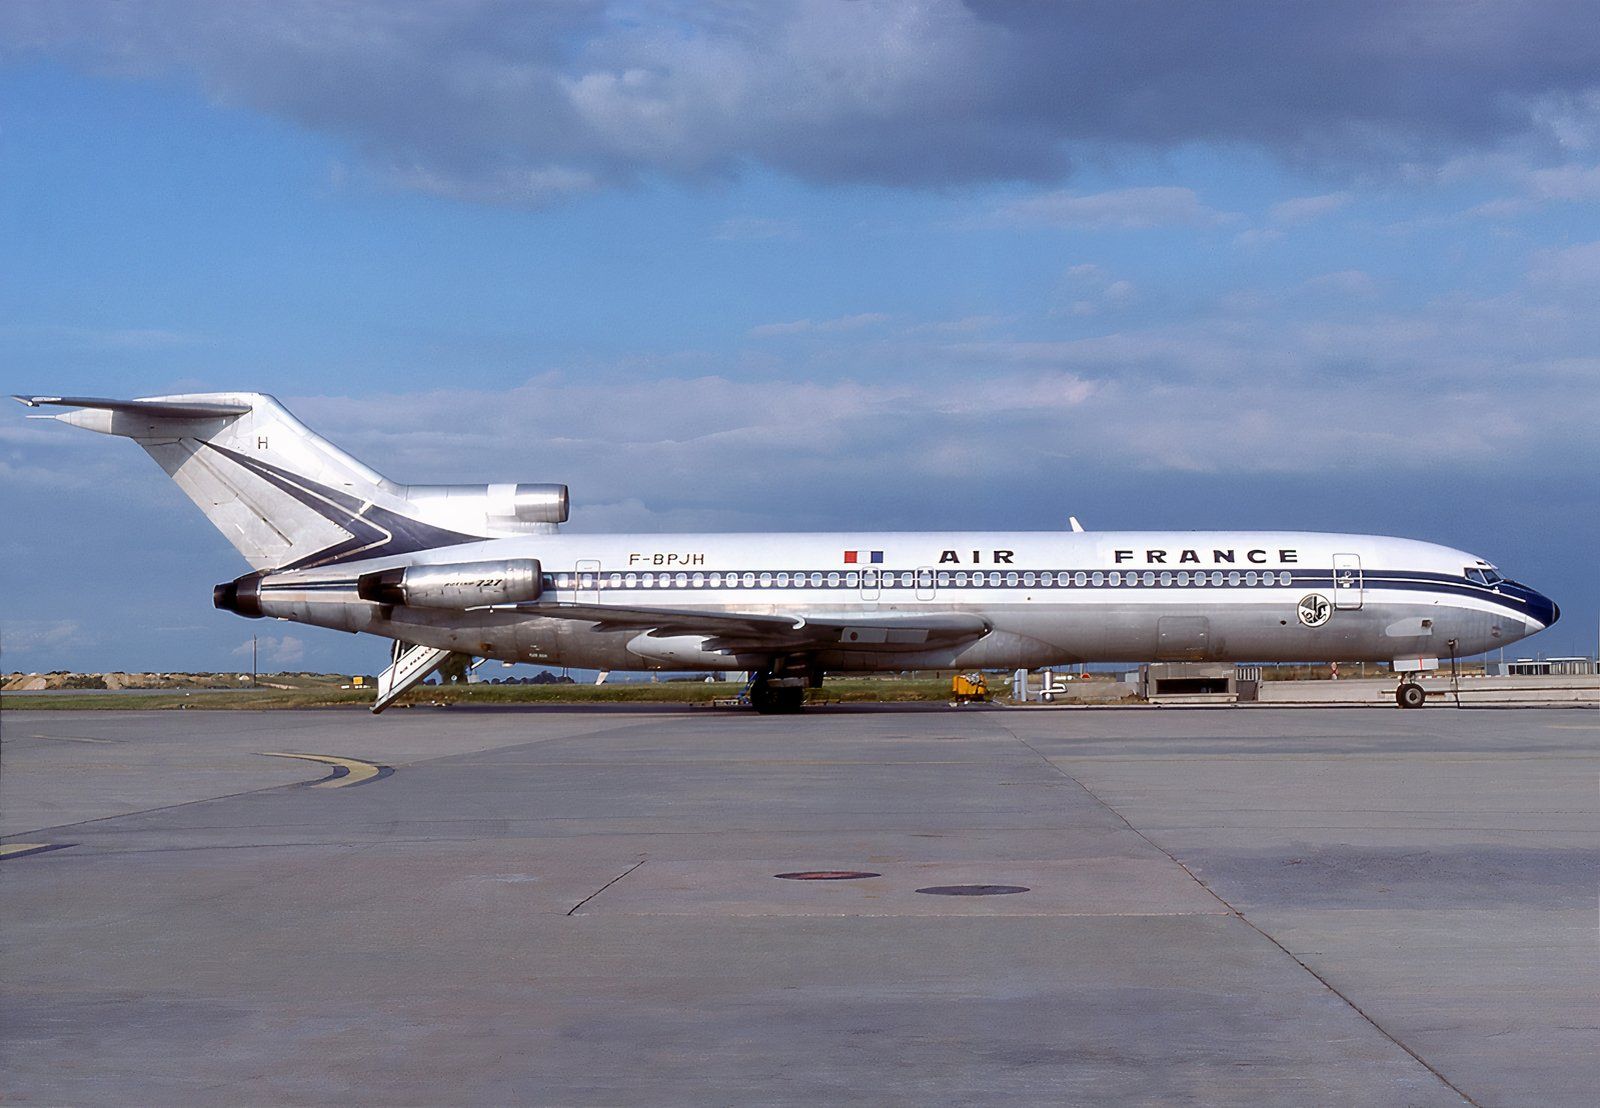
[{"x": 1410, "y": 694}]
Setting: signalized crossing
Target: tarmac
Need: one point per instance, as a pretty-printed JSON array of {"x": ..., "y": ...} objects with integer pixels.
[{"x": 579, "y": 906}]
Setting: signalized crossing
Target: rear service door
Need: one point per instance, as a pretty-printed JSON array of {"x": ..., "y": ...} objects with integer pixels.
[{"x": 1347, "y": 581}]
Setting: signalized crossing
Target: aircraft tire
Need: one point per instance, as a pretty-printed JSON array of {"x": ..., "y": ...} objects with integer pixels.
[{"x": 1410, "y": 695}]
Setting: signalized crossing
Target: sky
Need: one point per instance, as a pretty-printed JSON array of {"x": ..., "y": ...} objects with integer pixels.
[{"x": 802, "y": 265}]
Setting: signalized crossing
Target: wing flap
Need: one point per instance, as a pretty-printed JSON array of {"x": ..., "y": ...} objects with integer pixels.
[{"x": 755, "y": 631}]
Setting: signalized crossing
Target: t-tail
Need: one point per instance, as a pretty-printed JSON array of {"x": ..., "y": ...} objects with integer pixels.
[{"x": 286, "y": 498}]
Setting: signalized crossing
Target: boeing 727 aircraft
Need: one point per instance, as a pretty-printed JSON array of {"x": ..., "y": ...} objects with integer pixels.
[{"x": 481, "y": 570}]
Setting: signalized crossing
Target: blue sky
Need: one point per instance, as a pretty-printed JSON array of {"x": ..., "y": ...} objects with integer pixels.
[{"x": 804, "y": 265}]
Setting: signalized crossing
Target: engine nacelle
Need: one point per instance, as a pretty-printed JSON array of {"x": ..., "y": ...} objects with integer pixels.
[
  {"x": 491, "y": 509},
  {"x": 529, "y": 503},
  {"x": 458, "y": 585}
]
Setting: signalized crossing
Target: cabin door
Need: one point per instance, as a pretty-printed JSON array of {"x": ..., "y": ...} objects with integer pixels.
[
  {"x": 1347, "y": 581},
  {"x": 586, "y": 581}
]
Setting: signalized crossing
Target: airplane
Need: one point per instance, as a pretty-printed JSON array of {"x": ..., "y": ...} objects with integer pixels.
[{"x": 484, "y": 570}]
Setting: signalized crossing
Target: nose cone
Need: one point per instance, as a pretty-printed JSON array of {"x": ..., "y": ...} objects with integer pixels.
[
  {"x": 1546, "y": 611},
  {"x": 1536, "y": 606}
]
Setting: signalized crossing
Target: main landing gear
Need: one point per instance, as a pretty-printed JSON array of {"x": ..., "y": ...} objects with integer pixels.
[
  {"x": 784, "y": 691},
  {"x": 1410, "y": 694}
]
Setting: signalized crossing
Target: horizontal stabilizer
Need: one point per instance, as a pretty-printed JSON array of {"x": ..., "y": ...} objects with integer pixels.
[{"x": 157, "y": 408}]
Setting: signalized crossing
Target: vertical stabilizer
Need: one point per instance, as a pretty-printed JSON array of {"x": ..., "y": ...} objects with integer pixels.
[{"x": 282, "y": 495}]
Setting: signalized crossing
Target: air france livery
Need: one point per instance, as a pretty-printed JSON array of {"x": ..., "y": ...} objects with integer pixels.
[{"x": 483, "y": 570}]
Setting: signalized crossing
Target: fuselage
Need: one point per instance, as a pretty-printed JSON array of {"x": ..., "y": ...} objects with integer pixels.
[{"x": 1048, "y": 598}]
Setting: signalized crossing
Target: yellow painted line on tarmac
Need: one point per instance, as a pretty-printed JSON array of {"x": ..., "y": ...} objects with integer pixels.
[
  {"x": 22, "y": 850},
  {"x": 346, "y": 771}
]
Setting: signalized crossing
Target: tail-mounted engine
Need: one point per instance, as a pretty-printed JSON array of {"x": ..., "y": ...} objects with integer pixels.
[{"x": 458, "y": 586}]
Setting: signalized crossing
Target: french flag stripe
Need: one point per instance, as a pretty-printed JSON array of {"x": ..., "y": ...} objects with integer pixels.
[{"x": 854, "y": 557}]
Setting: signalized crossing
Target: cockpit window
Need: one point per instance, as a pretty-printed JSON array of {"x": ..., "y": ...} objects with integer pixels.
[{"x": 1484, "y": 575}]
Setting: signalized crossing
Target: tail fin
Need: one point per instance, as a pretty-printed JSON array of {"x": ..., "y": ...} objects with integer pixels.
[{"x": 285, "y": 497}]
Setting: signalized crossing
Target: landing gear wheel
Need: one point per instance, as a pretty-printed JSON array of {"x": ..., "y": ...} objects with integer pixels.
[
  {"x": 770, "y": 699},
  {"x": 1410, "y": 695},
  {"x": 1048, "y": 698}
]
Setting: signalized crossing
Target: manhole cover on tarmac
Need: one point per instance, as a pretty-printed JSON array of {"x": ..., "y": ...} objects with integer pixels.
[
  {"x": 973, "y": 890},
  {"x": 826, "y": 875}
]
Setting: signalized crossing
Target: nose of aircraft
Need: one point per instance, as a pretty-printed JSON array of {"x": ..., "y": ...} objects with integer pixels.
[{"x": 1536, "y": 605}]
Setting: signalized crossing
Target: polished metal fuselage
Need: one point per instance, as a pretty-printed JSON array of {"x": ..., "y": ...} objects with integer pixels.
[{"x": 1048, "y": 598}]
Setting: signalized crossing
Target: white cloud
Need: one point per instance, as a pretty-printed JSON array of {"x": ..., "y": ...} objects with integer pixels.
[
  {"x": 1304, "y": 209},
  {"x": 1088, "y": 290},
  {"x": 1345, "y": 282},
  {"x": 819, "y": 326},
  {"x": 21, "y": 636},
  {"x": 1566, "y": 267},
  {"x": 277, "y": 650},
  {"x": 1130, "y": 209}
]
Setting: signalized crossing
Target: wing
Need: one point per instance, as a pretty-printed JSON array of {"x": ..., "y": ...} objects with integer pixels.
[{"x": 756, "y": 631}]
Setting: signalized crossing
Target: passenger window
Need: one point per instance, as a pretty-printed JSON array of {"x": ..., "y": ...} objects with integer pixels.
[
  {"x": 833, "y": 580},
  {"x": 1097, "y": 577},
  {"x": 681, "y": 581},
  {"x": 1080, "y": 578},
  {"x": 766, "y": 580},
  {"x": 1150, "y": 577}
]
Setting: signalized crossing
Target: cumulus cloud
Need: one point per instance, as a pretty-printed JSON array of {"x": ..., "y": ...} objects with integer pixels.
[
  {"x": 1303, "y": 384},
  {"x": 528, "y": 103},
  {"x": 277, "y": 650}
]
